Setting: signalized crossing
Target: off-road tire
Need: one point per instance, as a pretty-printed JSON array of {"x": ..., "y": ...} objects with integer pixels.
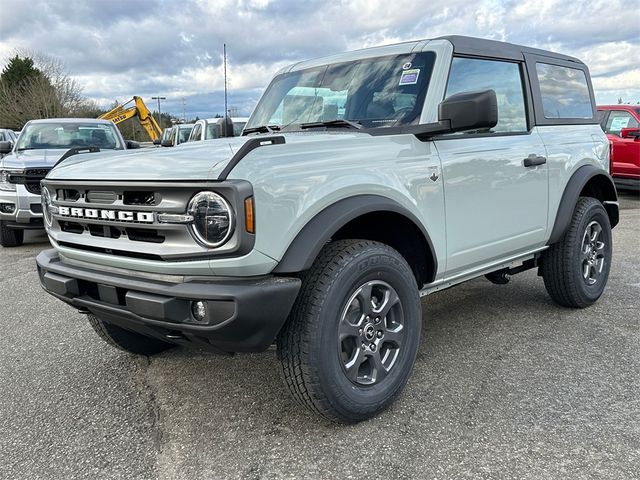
[
  {"x": 126, "y": 340},
  {"x": 309, "y": 346},
  {"x": 563, "y": 262},
  {"x": 10, "y": 237}
]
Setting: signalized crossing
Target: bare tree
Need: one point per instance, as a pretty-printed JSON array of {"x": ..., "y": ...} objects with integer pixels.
[{"x": 51, "y": 93}]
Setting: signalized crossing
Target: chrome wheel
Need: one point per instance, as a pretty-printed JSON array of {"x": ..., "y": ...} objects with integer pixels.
[
  {"x": 371, "y": 333},
  {"x": 592, "y": 253}
]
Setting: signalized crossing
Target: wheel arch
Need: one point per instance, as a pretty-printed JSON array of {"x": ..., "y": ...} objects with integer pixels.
[
  {"x": 354, "y": 217},
  {"x": 586, "y": 181}
]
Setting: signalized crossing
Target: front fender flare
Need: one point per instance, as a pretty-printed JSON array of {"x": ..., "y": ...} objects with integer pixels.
[{"x": 304, "y": 249}]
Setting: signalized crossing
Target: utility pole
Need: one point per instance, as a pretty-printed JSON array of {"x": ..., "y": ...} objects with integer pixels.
[
  {"x": 224, "y": 54},
  {"x": 159, "y": 114},
  {"x": 184, "y": 110}
]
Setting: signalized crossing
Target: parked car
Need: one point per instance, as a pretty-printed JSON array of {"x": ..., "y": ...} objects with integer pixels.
[
  {"x": 210, "y": 128},
  {"x": 178, "y": 134},
  {"x": 363, "y": 182},
  {"x": 621, "y": 123},
  {"x": 40, "y": 145},
  {"x": 166, "y": 135}
]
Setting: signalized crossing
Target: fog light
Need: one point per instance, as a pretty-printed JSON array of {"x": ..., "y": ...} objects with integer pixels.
[
  {"x": 199, "y": 311},
  {"x": 7, "y": 207}
]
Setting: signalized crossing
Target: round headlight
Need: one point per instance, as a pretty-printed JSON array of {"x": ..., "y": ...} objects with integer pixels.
[
  {"x": 212, "y": 219},
  {"x": 45, "y": 197}
]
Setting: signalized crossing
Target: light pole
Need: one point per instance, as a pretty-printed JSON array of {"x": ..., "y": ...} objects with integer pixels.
[{"x": 159, "y": 114}]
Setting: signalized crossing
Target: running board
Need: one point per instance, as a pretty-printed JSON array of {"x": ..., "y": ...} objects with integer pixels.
[{"x": 510, "y": 264}]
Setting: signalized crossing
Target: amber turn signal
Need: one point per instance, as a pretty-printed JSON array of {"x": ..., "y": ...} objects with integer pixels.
[{"x": 249, "y": 220}]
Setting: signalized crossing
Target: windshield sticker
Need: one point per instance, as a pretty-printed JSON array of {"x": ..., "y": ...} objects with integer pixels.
[
  {"x": 618, "y": 123},
  {"x": 409, "y": 77},
  {"x": 406, "y": 66}
]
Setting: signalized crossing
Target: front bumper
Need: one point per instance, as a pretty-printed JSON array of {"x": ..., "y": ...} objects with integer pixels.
[
  {"x": 246, "y": 314},
  {"x": 27, "y": 212}
]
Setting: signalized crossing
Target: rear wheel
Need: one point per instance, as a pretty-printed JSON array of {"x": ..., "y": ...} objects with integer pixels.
[
  {"x": 126, "y": 340},
  {"x": 576, "y": 269},
  {"x": 10, "y": 237},
  {"x": 351, "y": 340}
]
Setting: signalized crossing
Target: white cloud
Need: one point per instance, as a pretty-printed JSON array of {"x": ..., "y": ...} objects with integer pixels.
[{"x": 121, "y": 48}]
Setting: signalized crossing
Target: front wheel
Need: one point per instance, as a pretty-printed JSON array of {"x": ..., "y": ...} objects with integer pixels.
[
  {"x": 351, "y": 340},
  {"x": 576, "y": 269},
  {"x": 126, "y": 340},
  {"x": 10, "y": 237}
]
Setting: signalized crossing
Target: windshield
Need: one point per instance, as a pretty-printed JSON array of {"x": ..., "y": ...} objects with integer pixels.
[
  {"x": 213, "y": 131},
  {"x": 183, "y": 133},
  {"x": 376, "y": 92},
  {"x": 36, "y": 136}
]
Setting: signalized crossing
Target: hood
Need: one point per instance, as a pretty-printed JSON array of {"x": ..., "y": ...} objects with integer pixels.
[
  {"x": 189, "y": 161},
  {"x": 33, "y": 158},
  {"x": 203, "y": 160}
]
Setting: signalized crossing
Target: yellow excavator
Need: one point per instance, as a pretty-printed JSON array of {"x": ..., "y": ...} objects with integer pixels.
[{"x": 139, "y": 109}]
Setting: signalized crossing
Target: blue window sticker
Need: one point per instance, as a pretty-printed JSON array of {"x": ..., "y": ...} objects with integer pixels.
[{"x": 409, "y": 77}]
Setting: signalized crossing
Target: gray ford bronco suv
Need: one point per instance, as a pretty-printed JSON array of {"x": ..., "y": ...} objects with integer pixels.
[{"x": 363, "y": 182}]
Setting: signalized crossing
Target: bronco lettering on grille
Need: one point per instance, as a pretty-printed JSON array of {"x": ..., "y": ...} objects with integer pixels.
[{"x": 95, "y": 213}]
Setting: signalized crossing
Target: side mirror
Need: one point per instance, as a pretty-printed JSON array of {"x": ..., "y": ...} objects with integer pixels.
[
  {"x": 624, "y": 133},
  {"x": 5, "y": 147},
  {"x": 131, "y": 145},
  {"x": 157, "y": 141},
  {"x": 469, "y": 110},
  {"x": 166, "y": 143}
]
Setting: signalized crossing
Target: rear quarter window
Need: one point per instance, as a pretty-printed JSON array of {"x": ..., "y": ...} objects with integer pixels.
[{"x": 564, "y": 92}]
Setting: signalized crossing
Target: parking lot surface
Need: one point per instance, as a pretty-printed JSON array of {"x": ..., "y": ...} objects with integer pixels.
[{"x": 506, "y": 385}]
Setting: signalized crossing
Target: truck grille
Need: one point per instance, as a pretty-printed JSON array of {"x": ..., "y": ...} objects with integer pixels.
[
  {"x": 30, "y": 178},
  {"x": 92, "y": 220}
]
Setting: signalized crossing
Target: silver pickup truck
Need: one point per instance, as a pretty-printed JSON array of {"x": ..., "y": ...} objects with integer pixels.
[
  {"x": 28, "y": 159},
  {"x": 363, "y": 182}
]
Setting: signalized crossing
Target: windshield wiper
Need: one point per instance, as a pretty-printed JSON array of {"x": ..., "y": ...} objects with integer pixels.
[
  {"x": 338, "y": 122},
  {"x": 261, "y": 129}
]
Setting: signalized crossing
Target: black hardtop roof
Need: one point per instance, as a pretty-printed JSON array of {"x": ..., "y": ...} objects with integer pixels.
[{"x": 492, "y": 48}]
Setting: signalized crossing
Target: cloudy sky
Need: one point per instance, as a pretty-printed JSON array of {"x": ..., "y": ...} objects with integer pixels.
[{"x": 120, "y": 48}]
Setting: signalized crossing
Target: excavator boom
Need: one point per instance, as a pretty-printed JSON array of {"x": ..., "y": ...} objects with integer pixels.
[{"x": 119, "y": 114}]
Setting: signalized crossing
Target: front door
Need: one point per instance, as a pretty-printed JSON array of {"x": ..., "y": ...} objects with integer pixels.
[{"x": 495, "y": 201}]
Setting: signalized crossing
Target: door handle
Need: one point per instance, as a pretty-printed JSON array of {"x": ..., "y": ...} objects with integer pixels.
[{"x": 534, "y": 160}]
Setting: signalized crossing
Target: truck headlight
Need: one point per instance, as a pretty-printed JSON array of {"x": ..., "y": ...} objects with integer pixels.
[
  {"x": 212, "y": 219},
  {"x": 45, "y": 197},
  {"x": 5, "y": 185}
]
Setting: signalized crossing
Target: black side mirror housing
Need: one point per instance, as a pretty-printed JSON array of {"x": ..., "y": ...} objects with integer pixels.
[
  {"x": 5, "y": 147},
  {"x": 227, "y": 127},
  {"x": 132, "y": 145},
  {"x": 166, "y": 143},
  {"x": 469, "y": 110},
  {"x": 459, "y": 112}
]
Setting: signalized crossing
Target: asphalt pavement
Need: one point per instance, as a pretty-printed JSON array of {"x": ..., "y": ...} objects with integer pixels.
[{"x": 506, "y": 385}]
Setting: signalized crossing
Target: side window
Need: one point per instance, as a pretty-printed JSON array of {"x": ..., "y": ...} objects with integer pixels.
[
  {"x": 195, "y": 133},
  {"x": 618, "y": 120},
  {"x": 564, "y": 91},
  {"x": 602, "y": 117},
  {"x": 470, "y": 74}
]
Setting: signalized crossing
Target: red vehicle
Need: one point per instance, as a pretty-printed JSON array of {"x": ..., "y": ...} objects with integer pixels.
[{"x": 621, "y": 123}]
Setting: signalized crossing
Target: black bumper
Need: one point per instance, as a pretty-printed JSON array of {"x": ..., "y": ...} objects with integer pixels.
[{"x": 245, "y": 315}]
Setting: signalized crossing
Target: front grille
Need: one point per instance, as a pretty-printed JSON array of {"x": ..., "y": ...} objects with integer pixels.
[
  {"x": 103, "y": 230},
  {"x": 30, "y": 178},
  {"x": 122, "y": 218},
  {"x": 33, "y": 187},
  {"x": 36, "y": 207}
]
